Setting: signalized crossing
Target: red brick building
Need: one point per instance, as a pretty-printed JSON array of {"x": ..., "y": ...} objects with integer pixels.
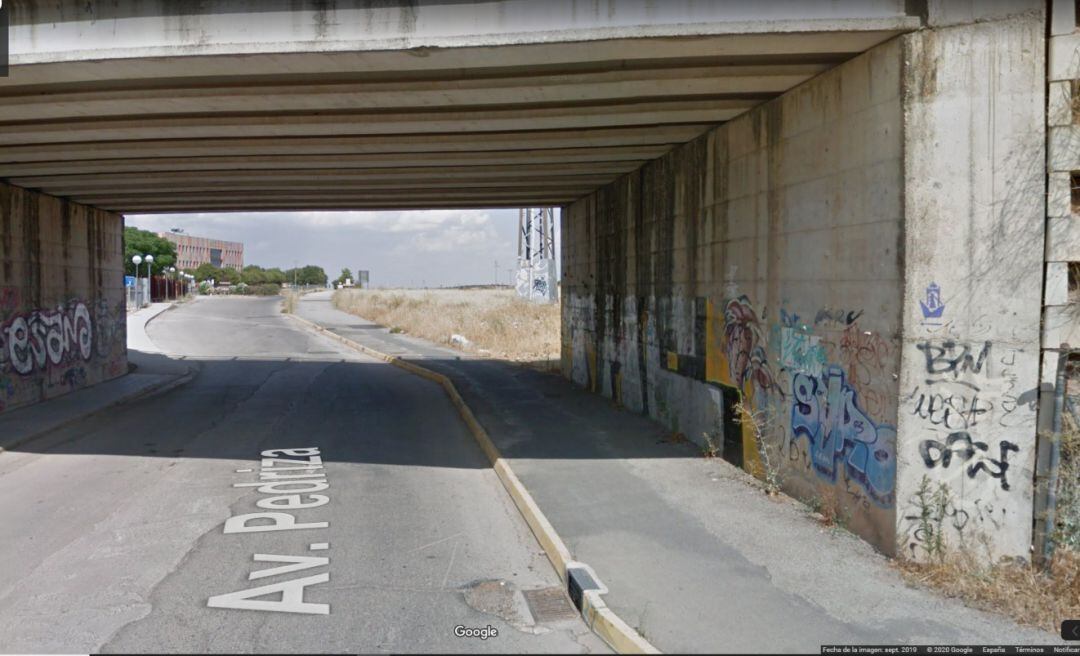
[{"x": 191, "y": 251}]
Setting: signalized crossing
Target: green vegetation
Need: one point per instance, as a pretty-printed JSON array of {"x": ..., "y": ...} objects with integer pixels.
[
  {"x": 144, "y": 242},
  {"x": 308, "y": 275},
  {"x": 207, "y": 271},
  {"x": 261, "y": 289},
  {"x": 256, "y": 275},
  {"x": 345, "y": 275},
  {"x": 256, "y": 280}
]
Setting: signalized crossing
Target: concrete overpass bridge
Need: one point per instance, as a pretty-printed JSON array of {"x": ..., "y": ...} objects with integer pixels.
[
  {"x": 279, "y": 105},
  {"x": 834, "y": 215}
]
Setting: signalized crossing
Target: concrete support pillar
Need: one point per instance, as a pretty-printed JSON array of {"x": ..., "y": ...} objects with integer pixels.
[
  {"x": 62, "y": 315},
  {"x": 974, "y": 196}
]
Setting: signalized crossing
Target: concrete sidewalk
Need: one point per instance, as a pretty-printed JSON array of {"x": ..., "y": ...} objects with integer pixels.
[
  {"x": 137, "y": 339},
  {"x": 153, "y": 372},
  {"x": 695, "y": 556}
]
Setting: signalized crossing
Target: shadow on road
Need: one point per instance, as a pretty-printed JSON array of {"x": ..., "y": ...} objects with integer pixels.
[{"x": 370, "y": 411}]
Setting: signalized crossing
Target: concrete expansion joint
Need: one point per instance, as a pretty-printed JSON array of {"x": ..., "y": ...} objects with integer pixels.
[{"x": 582, "y": 584}]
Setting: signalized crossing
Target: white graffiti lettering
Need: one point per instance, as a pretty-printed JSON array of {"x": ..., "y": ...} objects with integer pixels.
[{"x": 44, "y": 337}]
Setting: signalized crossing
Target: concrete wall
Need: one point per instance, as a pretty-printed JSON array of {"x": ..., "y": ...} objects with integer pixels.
[
  {"x": 974, "y": 235},
  {"x": 768, "y": 272},
  {"x": 62, "y": 318},
  {"x": 761, "y": 262}
]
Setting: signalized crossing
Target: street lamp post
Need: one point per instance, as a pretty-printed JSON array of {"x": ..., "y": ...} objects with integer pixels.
[
  {"x": 172, "y": 270},
  {"x": 137, "y": 260},
  {"x": 149, "y": 279}
]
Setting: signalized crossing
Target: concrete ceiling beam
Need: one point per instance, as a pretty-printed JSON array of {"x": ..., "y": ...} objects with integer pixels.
[
  {"x": 525, "y": 168},
  {"x": 228, "y": 165},
  {"x": 389, "y": 121},
  {"x": 308, "y": 206},
  {"x": 64, "y": 186},
  {"x": 340, "y": 193},
  {"x": 585, "y": 182},
  {"x": 615, "y": 138},
  {"x": 300, "y": 58},
  {"x": 243, "y": 97}
]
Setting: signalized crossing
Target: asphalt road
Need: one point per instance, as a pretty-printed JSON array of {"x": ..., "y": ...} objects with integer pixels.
[{"x": 113, "y": 529}]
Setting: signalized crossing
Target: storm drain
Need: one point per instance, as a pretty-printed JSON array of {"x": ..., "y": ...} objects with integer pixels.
[{"x": 549, "y": 605}]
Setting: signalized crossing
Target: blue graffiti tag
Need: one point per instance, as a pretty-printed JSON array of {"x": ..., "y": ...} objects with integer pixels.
[
  {"x": 932, "y": 307},
  {"x": 826, "y": 412}
]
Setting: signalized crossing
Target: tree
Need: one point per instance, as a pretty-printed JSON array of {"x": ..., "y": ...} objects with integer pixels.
[
  {"x": 253, "y": 275},
  {"x": 313, "y": 275},
  {"x": 276, "y": 276},
  {"x": 207, "y": 271},
  {"x": 345, "y": 275},
  {"x": 229, "y": 275},
  {"x": 143, "y": 243},
  {"x": 308, "y": 275}
]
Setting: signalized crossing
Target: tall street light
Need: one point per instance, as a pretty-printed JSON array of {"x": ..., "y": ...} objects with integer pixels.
[
  {"x": 172, "y": 270},
  {"x": 137, "y": 260},
  {"x": 149, "y": 279}
]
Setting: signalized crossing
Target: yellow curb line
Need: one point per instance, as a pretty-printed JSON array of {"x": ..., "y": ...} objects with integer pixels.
[{"x": 601, "y": 619}]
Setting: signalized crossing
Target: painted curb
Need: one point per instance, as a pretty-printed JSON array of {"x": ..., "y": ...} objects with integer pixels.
[
  {"x": 601, "y": 619},
  {"x": 150, "y": 390}
]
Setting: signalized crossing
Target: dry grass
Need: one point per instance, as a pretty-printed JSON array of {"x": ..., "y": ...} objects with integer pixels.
[
  {"x": 1026, "y": 592},
  {"x": 1022, "y": 591},
  {"x": 1067, "y": 530},
  {"x": 495, "y": 321}
]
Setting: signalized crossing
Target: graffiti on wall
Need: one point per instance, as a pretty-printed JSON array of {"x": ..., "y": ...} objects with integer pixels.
[
  {"x": 932, "y": 306},
  {"x": 535, "y": 280},
  {"x": 43, "y": 337},
  {"x": 801, "y": 351},
  {"x": 974, "y": 454},
  {"x": 825, "y": 410},
  {"x": 964, "y": 401},
  {"x": 744, "y": 347},
  {"x": 840, "y": 380},
  {"x": 45, "y": 349},
  {"x": 824, "y": 391}
]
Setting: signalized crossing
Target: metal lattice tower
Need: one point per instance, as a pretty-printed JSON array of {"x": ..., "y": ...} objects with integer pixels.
[
  {"x": 536, "y": 234},
  {"x": 536, "y": 254}
]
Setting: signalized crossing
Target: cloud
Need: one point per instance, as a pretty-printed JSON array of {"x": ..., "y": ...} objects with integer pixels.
[
  {"x": 385, "y": 222},
  {"x": 460, "y": 238}
]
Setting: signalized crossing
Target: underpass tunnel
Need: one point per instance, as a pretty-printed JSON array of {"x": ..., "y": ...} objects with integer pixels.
[{"x": 809, "y": 237}]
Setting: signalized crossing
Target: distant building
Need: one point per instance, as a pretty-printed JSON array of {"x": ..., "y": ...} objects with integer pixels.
[{"x": 191, "y": 251}]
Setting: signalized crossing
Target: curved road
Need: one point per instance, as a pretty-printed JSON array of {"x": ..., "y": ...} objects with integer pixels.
[{"x": 113, "y": 527}]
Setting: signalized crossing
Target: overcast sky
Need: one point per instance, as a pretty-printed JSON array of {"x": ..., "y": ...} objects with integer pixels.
[{"x": 431, "y": 248}]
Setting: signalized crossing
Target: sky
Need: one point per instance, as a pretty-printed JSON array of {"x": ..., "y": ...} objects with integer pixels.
[{"x": 416, "y": 248}]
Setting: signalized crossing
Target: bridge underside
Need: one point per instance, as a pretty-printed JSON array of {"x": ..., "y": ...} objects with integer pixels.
[
  {"x": 810, "y": 244},
  {"x": 515, "y": 121}
]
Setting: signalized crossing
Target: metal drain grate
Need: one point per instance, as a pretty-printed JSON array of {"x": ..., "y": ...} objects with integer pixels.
[{"x": 549, "y": 605}]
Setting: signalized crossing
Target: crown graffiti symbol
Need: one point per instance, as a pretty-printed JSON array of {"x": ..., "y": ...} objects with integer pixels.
[{"x": 932, "y": 307}]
